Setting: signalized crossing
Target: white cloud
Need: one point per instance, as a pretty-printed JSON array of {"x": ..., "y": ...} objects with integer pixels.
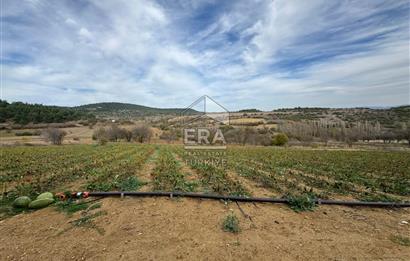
[{"x": 264, "y": 54}]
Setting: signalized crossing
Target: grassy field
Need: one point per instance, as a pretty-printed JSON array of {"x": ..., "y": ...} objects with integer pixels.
[{"x": 364, "y": 175}]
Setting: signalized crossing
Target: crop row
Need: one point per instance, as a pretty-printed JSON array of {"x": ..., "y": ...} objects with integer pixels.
[
  {"x": 61, "y": 165},
  {"x": 340, "y": 172},
  {"x": 168, "y": 175},
  {"x": 214, "y": 178}
]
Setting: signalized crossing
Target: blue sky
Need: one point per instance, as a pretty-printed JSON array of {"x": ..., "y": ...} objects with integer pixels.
[{"x": 245, "y": 54}]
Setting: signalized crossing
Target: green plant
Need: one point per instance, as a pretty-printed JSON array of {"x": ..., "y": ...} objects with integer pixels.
[
  {"x": 365, "y": 196},
  {"x": 6, "y": 208},
  {"x": 303, "y": 202},
  {"x": 280, "y": 139},
  {"x": 401, "y": 240},
  {"x": 87, "y": 221},
  {"x": 100, "y": 186},
  {"x": 231, "y": 224},
  {"x": 70, "y": 206},
  {"x": 130, "y": 184}
]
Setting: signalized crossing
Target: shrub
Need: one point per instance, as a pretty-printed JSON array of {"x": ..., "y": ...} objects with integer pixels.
[
  {"x": 142, "y": 133},
  {"x": 304, "y": 202},
  {"x": 130, "y": 184},
  {"x": 100, "y": 135},
  {"x": 231, "y": 224},
  {"x": 280, "y": 139},
  {"x": 27, "y": 133},
  {"x": 54, "y": 135}
]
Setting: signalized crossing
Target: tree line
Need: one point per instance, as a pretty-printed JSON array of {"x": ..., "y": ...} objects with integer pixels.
[
  {"x": 114, "y": 133},
  {"x": 325, "y": 130},
  {"x": 24, "y": 113}
]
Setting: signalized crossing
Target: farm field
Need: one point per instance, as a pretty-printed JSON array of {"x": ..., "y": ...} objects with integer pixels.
[
  {"x": 365, "y": 175},
  {"x": 247, "y": 171}
]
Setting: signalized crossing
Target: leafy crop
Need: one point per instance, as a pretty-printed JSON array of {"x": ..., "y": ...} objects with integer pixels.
[{"x": 364, "y": 175}]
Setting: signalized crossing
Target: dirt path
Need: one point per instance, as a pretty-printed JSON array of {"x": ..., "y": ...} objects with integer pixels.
[
  {"x": 145, "y": 173},
  {"x": 189, "y": 229},
  {"x": 189, "y": 173}
]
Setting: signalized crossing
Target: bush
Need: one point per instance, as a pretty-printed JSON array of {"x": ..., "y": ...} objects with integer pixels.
[
  {"x": 142, "y": 133},
  {"x": 27, "y": 133},
  {"x": 280, "y": 139},
  {"x": 304, "y": 202},
  {"x": 114, "y": 133},
  {"x": 130, "y": 184},
  {"x": 101, "y": 136},
  {"x": 231, "y": 224},
  {"x": 53, "y": 135},
  {"x": 169, "y": 135}
]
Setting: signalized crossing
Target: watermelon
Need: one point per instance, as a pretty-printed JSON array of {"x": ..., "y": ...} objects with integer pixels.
[
  {"x": 21, "y": 202},
  {"x": 46, "y": 195},
  {"x": 40, "y": 203}
]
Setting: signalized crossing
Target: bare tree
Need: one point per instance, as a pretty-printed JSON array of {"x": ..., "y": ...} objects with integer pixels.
[
  {"x": 126, "y": 134},
  {"x": 54, "y": 135},
  {"x": 169, "y": 135},
  {"x": 100, "y": 135},
  {"x": 142, "y": 133},
  {"x": 114, "y": 133}
]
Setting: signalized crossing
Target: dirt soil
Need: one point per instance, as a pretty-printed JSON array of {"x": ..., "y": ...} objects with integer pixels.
[{"x": 190, "y": 229}]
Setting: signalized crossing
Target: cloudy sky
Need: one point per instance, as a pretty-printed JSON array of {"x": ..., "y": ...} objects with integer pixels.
[{"x": 244, "y": 54}]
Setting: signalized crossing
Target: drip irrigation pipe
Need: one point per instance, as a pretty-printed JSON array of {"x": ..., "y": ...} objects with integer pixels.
[{"x": 247, "y": 199}]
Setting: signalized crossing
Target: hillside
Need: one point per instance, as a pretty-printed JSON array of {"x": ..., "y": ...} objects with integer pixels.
[
  {"x": 127, "y": 110},
  {"x": 24, "y": 113},
  {"x": 387, "y": 117}
]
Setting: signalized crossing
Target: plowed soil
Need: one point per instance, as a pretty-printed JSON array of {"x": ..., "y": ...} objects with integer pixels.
[{"x": 190, "y": 229}]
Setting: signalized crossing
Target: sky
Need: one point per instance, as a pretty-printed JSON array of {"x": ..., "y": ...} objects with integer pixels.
[{"x": 244, "y": 54}]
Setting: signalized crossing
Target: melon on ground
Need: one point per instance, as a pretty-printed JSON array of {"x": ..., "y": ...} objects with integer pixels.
[
  {"x": 21, "y": 202},
  {"x": 45, "y": 195},
  {"x": 40, "y": 203}
]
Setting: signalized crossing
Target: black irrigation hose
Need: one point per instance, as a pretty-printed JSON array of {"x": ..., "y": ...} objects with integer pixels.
[{"x": 246, "y": 199}]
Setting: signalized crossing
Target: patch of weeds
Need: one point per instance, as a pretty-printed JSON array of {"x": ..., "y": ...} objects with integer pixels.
[
  {"x": 26, "y": 190},
  {"x": 6, "y": 206},
  {"x": 240, "y": 193},
  {"x": 401, "y": 240},
  {"x": 342, "y": 187},
  {"x": 100, "y": 186},
  {"x": 236, "y": 243},
  {"x": 70, "y": 206},
  {"x": 87, "y": 221},
  {"x": 187, "y": 186},
  {"x": 303, "y": 202},
  {"x": 130, "y": 184},
  {"x": 94, "y": 206},
  {"x": 366, "y": 196},
  {"x": 231, "y": 224}
]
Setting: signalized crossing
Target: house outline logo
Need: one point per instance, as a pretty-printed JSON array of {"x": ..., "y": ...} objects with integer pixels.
[{"x": 221, "y": 116}]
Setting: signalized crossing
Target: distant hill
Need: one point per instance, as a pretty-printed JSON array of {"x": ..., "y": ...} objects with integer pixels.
[
  {"x": 24, "y": 113},
  {"x": 388, "y": 116},
  {"x": 128, "y": 110}
]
